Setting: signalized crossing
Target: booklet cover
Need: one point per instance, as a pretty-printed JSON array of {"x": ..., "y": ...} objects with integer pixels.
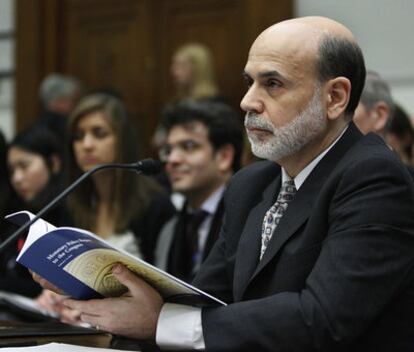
[{"x": 80, "y": 263}]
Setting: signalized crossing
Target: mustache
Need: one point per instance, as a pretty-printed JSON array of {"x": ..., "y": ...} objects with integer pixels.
[{"x": 253, "y": 120}]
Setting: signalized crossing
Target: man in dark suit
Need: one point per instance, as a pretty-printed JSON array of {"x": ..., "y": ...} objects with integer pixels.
[
  {"x": 317, "y": 245},
  {"x": 202, "y": 151}
]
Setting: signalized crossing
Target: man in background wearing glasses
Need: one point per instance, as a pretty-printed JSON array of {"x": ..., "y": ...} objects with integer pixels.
[{"x": 203, "y": 150}]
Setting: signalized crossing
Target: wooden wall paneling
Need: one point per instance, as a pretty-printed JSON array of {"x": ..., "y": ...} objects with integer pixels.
[
  {"x": 50, "y": 29},
  {"x": 27, "y": 60},
  {"x": 35, "y": 54},
  {"x": 260, "y": 14},
  {"x": 106, "y": 46}
]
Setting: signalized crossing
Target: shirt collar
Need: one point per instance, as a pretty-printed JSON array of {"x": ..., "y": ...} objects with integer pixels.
[
  {"x": 211, "y": 203},
  {"x": 301, "y": 176}
]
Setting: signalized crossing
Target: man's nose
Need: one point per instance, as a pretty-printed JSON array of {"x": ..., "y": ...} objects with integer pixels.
[
  {"x": 175, "y": 156},
  {"x": 251, "y": 101}
]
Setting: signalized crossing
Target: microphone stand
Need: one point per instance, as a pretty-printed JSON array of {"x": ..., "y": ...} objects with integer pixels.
[{"x": 139, "y": 167}]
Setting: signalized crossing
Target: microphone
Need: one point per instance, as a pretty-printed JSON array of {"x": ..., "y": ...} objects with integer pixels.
[{"x": 146, "y": 166}]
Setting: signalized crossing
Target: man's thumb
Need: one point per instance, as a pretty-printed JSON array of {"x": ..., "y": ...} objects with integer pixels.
[
  {"x": 134, "y": 283},
  {"x": 124, "y": 276}
]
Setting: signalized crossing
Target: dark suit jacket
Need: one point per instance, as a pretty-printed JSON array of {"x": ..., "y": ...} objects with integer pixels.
[
  {"x": 176, "y": 256},
  {"x": 338, "y": 274},
  {"x": 147, "y": 226}
]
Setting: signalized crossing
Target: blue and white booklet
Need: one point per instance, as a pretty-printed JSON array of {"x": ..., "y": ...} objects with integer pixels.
[{"x": 80, "y": 264}]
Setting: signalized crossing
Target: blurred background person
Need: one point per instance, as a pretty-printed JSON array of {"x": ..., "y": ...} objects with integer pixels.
[
  {"x": 34, "y": 164},
  {"x": 193, "y": 75},
  {"x": 126, "y": 209},
  {"x": 203, "y": 150},
  {"x": 376, "y": 106},
  {"x": 35, "y": 171},
  {"x": 8, "y": 203},
  {"x": 400, "y": 135},
  {"x": 58, "y": 95},
  {"x": 376, "y": 112},
  {"x": 5, "y": 186}
]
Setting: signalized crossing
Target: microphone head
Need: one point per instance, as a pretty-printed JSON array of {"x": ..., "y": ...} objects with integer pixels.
[{"x": 149, "y": 166}]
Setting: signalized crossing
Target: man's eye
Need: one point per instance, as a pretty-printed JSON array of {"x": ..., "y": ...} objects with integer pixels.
[
  {"x": 248, "y": 82},
  {"x": 189, "y": 146},
  {"x": 273, "y": 83},
  {"x": 164, "y": 153}
]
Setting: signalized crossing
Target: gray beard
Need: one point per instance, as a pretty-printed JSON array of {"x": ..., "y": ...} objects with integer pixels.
[{"x": 290, "y": 138}]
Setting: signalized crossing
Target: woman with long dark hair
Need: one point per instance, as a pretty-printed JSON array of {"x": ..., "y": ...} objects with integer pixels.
[
  {"x": 124, "y": 208},
  {"x": 34, "y": 164}
]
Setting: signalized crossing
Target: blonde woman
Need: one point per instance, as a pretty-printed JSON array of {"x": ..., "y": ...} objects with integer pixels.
[{"x": 193, "y": 72}]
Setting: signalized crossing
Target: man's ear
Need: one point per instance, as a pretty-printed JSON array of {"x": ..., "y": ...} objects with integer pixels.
[
  {"x": 225, "y": 156},
  {"x": 381, "y": 113},
  {"x": 337, "y": 93}
]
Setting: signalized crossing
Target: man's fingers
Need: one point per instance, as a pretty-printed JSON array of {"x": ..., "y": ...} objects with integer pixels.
[
  {"x": 70, "y": 316},
  {"x": 96, "y": 322},
  {"x": 46, "y": 284},
  {"x": 128, "y": 278},
  {"x": 91, "y": 307}
]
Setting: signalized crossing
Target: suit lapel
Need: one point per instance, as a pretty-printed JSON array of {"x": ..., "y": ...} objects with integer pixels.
[
  {"x": 250, "y": 240},
  {"x": 300, "y": 208}
]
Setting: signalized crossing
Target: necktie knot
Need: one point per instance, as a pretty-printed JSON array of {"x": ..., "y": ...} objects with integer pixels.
[
  {"x": 195, "y": 219},
  {"x": 287, "y": 191},
  {"x": 275, "y": 213}
]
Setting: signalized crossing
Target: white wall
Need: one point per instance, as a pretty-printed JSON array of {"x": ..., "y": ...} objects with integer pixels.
[
  {"x": 384, "y": 30},
  {"x": 7, "y": 65}
]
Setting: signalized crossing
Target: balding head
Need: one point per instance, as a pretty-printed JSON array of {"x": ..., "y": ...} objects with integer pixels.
[
  {"x": 327, "y": 46},
  {"x": 314, "y": 25},
  {"x": 304, "y": 79}
]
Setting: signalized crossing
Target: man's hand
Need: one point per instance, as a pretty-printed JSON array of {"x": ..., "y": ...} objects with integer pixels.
[
  {"x": 134, "y": 314},
  {"x": 45, "y": 284},
  {"x": 53, "y": 302}
]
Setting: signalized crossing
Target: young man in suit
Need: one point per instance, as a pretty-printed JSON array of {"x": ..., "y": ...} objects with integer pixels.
[
  {"x": 202, "y": 151},
  {"x": 336, "y": 271}
]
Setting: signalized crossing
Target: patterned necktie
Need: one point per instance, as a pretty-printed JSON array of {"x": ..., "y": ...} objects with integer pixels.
[{"x": 275, "y": 213}]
